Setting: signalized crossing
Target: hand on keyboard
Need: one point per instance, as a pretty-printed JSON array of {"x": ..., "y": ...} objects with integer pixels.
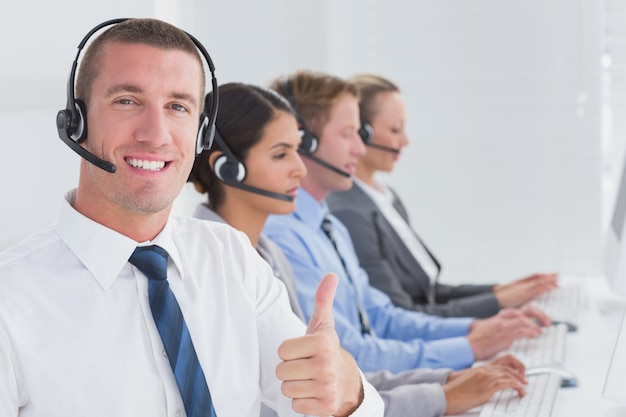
[
  {"x": 565, "y": 302},
  {"x": 469, "y": 388},
  {"x": 542, "y": 390},
  {"x": 545, "y": 350},
  {"x": 537, "y": 314},
  {"x": 489, "y": 336},
  {"x": 510, "y": 361},
  {"x": 524, "y": 290}
]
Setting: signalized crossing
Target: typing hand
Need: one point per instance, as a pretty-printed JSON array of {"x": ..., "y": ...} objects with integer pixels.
[
  {"x": 524, "y": 290},
  {"x": 471, "y": 387},
  {"x": 490, "y": 336},
  {"x": 510, "y": 361},
  {"x": 320, "y": 377},
  {"x": 536, "y": 314}
]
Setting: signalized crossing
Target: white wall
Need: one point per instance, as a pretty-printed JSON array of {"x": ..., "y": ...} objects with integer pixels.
[
  {"x": 502, "y": 177},
  {"x": 503, "y": 174}
]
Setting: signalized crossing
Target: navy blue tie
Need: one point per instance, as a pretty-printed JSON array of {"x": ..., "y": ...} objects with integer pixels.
[{"x": 152, "y": 261}]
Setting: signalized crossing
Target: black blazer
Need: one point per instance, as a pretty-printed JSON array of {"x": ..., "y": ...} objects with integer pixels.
[{"x": 392, "y": 268}]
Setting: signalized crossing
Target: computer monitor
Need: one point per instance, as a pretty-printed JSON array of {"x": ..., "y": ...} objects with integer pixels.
[{"x": 614, "y": 251}]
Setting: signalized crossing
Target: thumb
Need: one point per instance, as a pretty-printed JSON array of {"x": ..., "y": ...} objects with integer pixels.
[{"x": 322, "y": 316}]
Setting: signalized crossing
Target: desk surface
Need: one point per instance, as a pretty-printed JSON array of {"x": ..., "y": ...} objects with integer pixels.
[{"x": 587, "y": 356}]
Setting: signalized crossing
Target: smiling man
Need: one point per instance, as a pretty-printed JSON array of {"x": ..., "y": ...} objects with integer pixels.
[{"x": 119, "y": 309}]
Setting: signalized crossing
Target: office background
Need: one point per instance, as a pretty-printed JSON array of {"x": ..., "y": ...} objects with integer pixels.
[{"x": 516, "y": 110}]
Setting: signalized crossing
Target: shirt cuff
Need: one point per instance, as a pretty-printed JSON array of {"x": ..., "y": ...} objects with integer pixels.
[
  {"x": 455, "y": 353},
  {"x": 372, "y": 405},
  {"x": 437, "y": 405},
  {"x": 454, "y": 326}
]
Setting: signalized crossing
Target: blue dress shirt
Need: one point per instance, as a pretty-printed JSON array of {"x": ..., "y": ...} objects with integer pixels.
[{"x": 400, "y": 339}]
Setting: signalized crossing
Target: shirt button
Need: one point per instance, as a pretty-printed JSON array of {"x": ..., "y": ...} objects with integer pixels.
[
  {"x": 179, "y": 413},
  {"x": 164, "y": 353}
]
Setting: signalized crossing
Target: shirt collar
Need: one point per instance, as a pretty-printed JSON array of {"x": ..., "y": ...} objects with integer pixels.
[
  {"x": 165, "y": 239},
  {"x": 309, "y": 210},
  {"x": 103, "y": 251},
  {"x": 384, "y": 197}
]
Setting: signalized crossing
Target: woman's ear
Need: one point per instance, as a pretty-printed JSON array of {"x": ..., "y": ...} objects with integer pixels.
[{"x": 212, "y": 158}]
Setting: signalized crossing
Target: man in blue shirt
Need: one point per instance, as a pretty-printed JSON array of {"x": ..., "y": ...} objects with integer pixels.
[{"x": 379, "y": 335}]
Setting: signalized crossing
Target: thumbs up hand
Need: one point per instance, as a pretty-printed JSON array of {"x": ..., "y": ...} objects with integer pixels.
[
  {"x": 321, "y": 377},
  {"x": 322, "y": 317}
]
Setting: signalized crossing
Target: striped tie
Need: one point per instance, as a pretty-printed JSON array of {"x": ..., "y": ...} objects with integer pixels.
[
  {"x": 327, "y": 227},
  {"x": 152, "y": 261}
]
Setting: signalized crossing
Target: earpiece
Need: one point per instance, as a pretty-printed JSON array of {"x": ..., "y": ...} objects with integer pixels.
[
  {"x": 227, "y": 167},
  {"x": 366, "y": 132},
  {"x": 72, "y": 121},
  {"x": 308, "y": 141},
  {"x": 231, "y": 171},
  {"x": 202, "y": 133}
]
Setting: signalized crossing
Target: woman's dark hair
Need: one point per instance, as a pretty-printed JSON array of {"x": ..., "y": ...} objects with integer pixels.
[{"x": 244, "y": 111}]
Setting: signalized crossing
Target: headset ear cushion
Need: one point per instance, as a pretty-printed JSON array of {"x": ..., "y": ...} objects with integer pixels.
[
  {"x": 308, "y": 141},
  {"x": 228, "y": 170},
  {"x": 64, "y": 118},
  {"x": 79, "y": 126},
  {"x": 366, "y": 132},
  {"x": 205, "y": 135}
]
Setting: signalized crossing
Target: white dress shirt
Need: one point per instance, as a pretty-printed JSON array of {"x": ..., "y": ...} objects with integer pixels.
[{"x": 77, "y": 337}]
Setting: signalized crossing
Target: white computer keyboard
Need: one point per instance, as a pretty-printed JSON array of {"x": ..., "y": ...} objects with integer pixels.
[
  {"x": 563, "y": 303},
  {"x": 548, "y": 349},
  {"x": 540, "y": 395}
]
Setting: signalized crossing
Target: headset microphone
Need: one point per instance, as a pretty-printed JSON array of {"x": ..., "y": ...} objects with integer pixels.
[
  {"x": 231, "y": 171},
  {"x": 323, "y": 163},
  {"x": 84, "y": 153},
  {"x": 260, "y": 191},
  {"x": 383, "y": 148}
]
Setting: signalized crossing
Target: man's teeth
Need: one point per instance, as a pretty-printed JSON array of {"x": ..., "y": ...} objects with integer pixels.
[{"x": 147, "y": 165}]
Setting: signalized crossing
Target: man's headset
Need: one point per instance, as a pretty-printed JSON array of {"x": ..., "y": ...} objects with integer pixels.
[
  {"x": 72, "y": 121},
  {"x": 367, "y": 134},
  {"x": 231, "y": 171},
  {"x": 308, "y": 142}
]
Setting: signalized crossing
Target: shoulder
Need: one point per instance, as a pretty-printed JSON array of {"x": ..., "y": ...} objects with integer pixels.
[
  {"x": 293, "y": 237},
  {"x": 284, "y": 226},
  {"x": 185, "y": 224},
  {"x": 195, "y": 233},
  {"x": 353, "y": 199},
  {"x": 30, "y": 263},
  {"x": 268, "y": 244},
  {"x": 352, "y": 207},
  {"x": 39, "y": 248},
  {"x": 218, "y": 250}
]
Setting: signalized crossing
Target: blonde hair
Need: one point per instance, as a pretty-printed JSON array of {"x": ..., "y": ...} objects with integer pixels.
[{"x": 369, "y": 86}]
